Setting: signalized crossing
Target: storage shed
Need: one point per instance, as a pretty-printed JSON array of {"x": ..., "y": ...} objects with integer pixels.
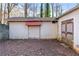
[
  {"x": 32, "y": 28},
  {"x": 64, "y": 28},
  {"x": 68, "y": 24}
]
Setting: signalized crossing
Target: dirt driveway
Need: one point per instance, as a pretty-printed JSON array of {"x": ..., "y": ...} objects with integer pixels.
[{"x": 34, "y": 48}]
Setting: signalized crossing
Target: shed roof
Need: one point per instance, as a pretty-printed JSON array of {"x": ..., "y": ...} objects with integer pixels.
[
  {"x": 69, "y": 11},
  {"x": 31, "y": 19}
]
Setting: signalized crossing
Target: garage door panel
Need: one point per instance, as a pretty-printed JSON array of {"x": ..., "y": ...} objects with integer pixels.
[
  {"x": 34, "y": 32},
  {"x": 18, "y": 31}
]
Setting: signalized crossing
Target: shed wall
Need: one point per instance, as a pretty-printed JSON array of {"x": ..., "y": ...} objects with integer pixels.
[
  {"x": 18, "y": 30},
  {"x": 75, "y": 16}
]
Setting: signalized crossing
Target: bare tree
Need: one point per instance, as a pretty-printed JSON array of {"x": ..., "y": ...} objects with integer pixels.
[
  {"x": 0, "y": 11},
  {"x": 52, "y": 9},
  {"x": 41, "y": 10},
  {"x": 47, "y": 10},
  {"x": 58, "y": 9},
  {"x": 8, "y": 9},
  {"x": 10, "y": 6},
  {"x": 4, "y": 10},
  {"x": 25, "y": 10}
]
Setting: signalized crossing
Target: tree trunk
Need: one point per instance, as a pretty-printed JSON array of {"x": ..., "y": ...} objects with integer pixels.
[
  {"x": 1, "y": 12},
  {"x": 25, "y": 10},
  {"x": 47, "y": 11},
  {"x": 58, "y": 9},
  {"x": 8, "y": 9},
  {"x": 52, "y": 10},
  {"x": 41, "y": 10},
  {"x": 4, "y": 11}
]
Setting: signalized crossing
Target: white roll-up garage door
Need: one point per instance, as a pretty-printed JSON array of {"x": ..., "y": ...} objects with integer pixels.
[
  {"x": 34, "y": 32},
  {"x": 18, "y": 30}
]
